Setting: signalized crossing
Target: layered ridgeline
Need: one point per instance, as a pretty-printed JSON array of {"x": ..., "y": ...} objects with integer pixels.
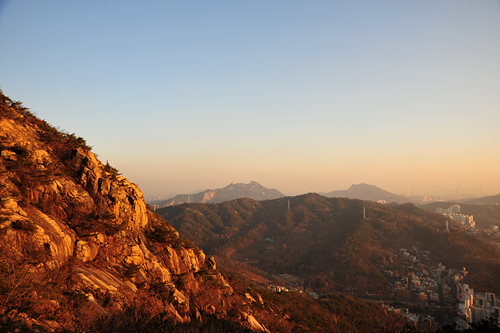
[
  {"x": 367, "y": 192},
  {"x": 252, "y": 190},
  {"x": 328, "y": 243},
  {"x": 489, "y": 200},
  {"x": 81, "y": 251}
]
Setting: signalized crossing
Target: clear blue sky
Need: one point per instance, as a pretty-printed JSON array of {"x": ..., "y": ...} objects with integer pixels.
[{"x": 301, "y": 96}]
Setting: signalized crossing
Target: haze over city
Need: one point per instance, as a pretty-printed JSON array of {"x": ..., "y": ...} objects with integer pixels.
[{"x": 299, "y": 96}]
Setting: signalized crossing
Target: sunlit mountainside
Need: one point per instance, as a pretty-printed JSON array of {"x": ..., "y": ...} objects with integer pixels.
[{"x": 80, "y": 251}]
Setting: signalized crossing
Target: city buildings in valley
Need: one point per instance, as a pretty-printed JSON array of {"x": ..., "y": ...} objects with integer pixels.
[
  {"x": 453, "y": 212},
  {"x": 475, "y": 307}
]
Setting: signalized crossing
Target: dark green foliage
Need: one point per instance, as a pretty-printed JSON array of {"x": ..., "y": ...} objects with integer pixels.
[
  {"x": 163, "y": 290},
  {"x": 110, "y": 169},
  {"x": 161, "y": 233},
  {"x": 90, "y": 223},
  {"x": 77, "y": 297},
  {"x": 62, "y": 144}
]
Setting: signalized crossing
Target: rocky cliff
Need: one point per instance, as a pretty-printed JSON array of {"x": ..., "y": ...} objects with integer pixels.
[{"x": 78, "y": 243}]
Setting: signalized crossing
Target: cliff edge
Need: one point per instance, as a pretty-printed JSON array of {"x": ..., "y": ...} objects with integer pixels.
[{"x": 79, "y": 245}]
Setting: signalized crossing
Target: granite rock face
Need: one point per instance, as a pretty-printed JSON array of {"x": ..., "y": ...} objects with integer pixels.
[
  {"x": 62, "y": 210},
  {"x": 38, "y": 218}
]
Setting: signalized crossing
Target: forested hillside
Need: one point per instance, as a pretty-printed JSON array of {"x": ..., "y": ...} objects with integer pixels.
[
  {"x": 484, "y": 215},
  {"x": 327, "y": 242},
  {"x": 80, "y": 251}
]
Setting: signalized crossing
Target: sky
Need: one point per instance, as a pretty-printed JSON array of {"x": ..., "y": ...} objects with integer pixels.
[{"x": 301, "y": 96}]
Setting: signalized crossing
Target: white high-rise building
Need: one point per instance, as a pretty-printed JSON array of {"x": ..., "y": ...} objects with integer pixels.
[{"x": 455, "y": 209}]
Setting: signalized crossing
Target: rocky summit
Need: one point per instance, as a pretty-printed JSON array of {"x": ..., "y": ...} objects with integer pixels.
[
  {"x": 79, "y": 244},
  {"x": 81, "y": 251}
]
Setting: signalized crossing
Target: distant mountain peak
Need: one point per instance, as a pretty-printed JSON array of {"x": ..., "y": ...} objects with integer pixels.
[
  {"x": 365, "y": 191},
  {"x": 252, "y": 190}
]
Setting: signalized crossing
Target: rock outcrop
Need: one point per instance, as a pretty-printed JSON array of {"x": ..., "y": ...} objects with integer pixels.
[{"x": 76, "y": 226}]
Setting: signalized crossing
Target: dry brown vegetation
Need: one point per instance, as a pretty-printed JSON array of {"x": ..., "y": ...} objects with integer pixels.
[
  {"x": 77, "y": 257},
  {"x": 327, "y": 242}
]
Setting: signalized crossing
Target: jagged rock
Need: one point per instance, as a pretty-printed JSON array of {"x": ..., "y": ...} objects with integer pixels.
[
  {"x": 11, "y": 204},
  {"x": 175, "y": 316},
  {"x": 98, "y": 279},
  {"x": 9, "y": 155},
  {"x": 123, "y": 198},
  {"x": 208, "y": 196},
  {"x": 210, "y": 262},
  {"x": 183, "y": 260},
  {"x": 226, "y": 287},
  {"x": 180, "y": 297},
  {"x": 77, "y": 223},
  {"x": 249, "y": 298},
  {"x": 86, "y": 251},
  {"x": 55, "y": 236},
  {"x": 253, "y": 322},
  {"x": 188, "y": 282}
]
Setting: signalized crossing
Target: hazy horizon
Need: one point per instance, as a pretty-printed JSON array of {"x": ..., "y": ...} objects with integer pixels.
[
  {"x": 457, "y": 193},
  {"x": 298, "y": 96}
]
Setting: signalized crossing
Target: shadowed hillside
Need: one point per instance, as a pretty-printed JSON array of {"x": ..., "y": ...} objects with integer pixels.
[
  {"x": 489, "y": 200},
  {"x": 484, "y": 215},
  {"x": 327, "y": 242}
]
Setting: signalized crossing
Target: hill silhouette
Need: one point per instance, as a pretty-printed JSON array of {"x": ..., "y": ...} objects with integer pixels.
[
  {"x": 252, "y": 190},
  {"x": 328, "y": 243},
  {"x": 489, "y": 200},
  {"x": 366, "y": 192},
  {"x": 484, "y": 215}
]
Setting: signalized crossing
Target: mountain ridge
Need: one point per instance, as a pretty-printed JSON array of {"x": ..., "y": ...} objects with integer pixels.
[
  {"x": 484, "y": 215},
  {"x": 488, "y": 200},
  {"x": 80, "y": 251},
  {"x": 252, "y": 190},
  {"x": 326, "y": 241},
  {"x": 80, "y": 247},
  {"x": 365, "y": 191}
]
